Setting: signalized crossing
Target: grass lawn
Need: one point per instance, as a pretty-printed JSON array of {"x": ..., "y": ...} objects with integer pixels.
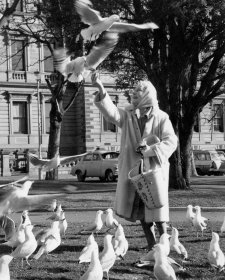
[{"x": 62, "y": 264}]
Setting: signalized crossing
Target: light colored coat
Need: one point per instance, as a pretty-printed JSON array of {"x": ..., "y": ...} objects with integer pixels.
[{"x": 158, "y": 125}]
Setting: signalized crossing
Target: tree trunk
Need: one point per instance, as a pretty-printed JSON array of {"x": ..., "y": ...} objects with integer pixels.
[
  {"x": 176, "y": 179},
  {"x": 54, "y": 137}
]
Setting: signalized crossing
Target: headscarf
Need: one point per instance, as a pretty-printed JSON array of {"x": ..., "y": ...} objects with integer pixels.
[{"x": 148, "y": 95}]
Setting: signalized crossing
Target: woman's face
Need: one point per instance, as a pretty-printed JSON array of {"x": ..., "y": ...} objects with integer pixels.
[{"x": 136, "y": 95}]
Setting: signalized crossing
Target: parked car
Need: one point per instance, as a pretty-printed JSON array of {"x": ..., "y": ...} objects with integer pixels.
[
  {"x": 100, "y": 163},
  {"x": 208, "y": 162}
]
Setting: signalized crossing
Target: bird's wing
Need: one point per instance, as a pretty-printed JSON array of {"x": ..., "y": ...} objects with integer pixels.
[
  {"x": 35, "y": 201},
  {"x": 8, "y": 226},
  {"x": 31, "y": 201},
  {"x": 123, "y": 27},
  {"x": 36, "y": 161},
  {"x": 99, "y": 52},
  {"x": 6, "y": 191},
  {"x": 61, "y": 59},
  {"x": 14, "y": 182},
  {"x": 183, "y": 250},
  {"x": 65, "y": 160},
  {"x": 87, "y": 14},
  {"x": 115, "y": 222}
]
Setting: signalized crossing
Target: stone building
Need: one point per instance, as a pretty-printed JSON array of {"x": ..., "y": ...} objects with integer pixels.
[{"x": 25, "y": 106}]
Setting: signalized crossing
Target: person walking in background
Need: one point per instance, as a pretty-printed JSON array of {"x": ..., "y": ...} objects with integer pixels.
[{"x": 140, "y": 120}]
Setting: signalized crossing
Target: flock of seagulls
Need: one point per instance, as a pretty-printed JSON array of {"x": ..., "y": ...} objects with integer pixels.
[
  {"x": 25, "y": 242},
  {"x": 108, "y": 29},
  {"x": 28, "y": 243}
]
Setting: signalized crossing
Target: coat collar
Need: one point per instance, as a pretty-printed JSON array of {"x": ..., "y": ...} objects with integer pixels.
[{"x": 154, "y": 111}]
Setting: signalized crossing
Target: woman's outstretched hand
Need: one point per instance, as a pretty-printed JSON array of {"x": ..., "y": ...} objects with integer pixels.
[{"x": 96, "y": 81}]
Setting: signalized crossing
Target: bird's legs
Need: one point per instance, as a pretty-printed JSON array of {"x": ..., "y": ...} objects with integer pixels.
[{"x": 27, "y": 262}]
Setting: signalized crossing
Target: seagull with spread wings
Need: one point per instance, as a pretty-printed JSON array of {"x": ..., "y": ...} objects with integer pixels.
[
  {"x": 50, "y": 164},
  {"x": 79, "y": 68},
  {"x": 16, "y": 198},
  {"x": 98, "y": 24}
]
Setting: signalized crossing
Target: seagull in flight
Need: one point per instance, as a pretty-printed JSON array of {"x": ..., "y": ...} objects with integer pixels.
[
  {"x": 98, "y": 24},
  {"x": 79, "y": 68},
  {"x": 50, "y": 164},
  {"x": 16, "y": 198}
]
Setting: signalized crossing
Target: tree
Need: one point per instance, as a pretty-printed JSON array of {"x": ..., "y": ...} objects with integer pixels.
[
  {"x": 183, "y": 59},
  {"x": 51, "y": 23}
]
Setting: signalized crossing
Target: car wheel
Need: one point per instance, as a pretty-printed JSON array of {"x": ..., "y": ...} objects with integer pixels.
[
  {"x": 109, "y": 177},
  {"x": 102, "y": 179},
  {"x": 80, "y": 176},
  {"x": 199, "y": 171}
]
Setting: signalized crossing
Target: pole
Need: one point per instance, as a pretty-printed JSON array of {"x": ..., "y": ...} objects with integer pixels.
[{"x": 39, "y": 126}]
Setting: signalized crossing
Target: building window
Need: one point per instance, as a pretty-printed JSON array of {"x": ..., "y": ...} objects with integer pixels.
[
  {"x": 18, "y": 55},
  {"x": 197, "y": 123},
  {"x": 48, "y": 60},
  {"x": 20, "y": 118},
  {"x": 218, "y": 117},
  {"x": 108, "y": 126},
  {"x": 47, "y": 117}
]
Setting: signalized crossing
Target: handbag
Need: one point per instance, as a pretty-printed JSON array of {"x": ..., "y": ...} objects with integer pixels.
[{"x": 150, "y": 186}]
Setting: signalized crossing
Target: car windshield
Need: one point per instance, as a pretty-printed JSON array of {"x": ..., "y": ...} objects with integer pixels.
[
  {"x": 215, "y": 156},
  {"x": 221, "y": 155},
  {"x": 110, "y": 155}
]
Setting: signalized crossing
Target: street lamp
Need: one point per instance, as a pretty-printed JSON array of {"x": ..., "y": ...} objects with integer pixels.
[{"x": 38, "y": 79}]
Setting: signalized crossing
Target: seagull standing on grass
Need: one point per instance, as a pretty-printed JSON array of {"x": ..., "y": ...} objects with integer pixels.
[
  {"x": 56, "y": 215},
  {"x": 175, "y": 244},
  {"x": 110, "y": 221},
  {"x": 190, "y": 214},
  {"x": 50, "y": 164},
  {"x": 53, "y": 205},
  {"x": 162, "y": 268},
  {"x": 96, "y": 226},
  {"x": 79, "y": 68},
  {"x": 199, "y": 222},
  {"x": 165, "y": 242},
  {"x": 43, "y": 234},
  {"x": 50, "y": 243},
  {"x": 215, "y": 255},
  {"x": 63, "y": 224},
  {"x": 85, "y": 255},
  {"x": 4, "y": 267},
  {"x": 94, "y": 271},
  {"x": 97, "y": 24},
  {"x": 27, "y": 248},
  {"x": 107, "y": 257},
  {"x": 120, "y": 243},
  {"x": 25, "y": 219}
]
